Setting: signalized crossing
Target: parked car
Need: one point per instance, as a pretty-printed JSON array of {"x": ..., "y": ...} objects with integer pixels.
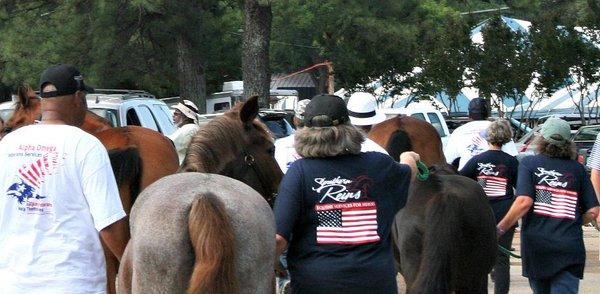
[
  {"x": 584, "y": 138},
  {"x": 132, "y": 107},
  {"x": 432, "y": 116},
  {"x": 584, "y": 141},
  {"x": 6, "y": 110}
]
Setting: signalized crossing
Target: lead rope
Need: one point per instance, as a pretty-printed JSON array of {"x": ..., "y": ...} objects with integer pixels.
[
  {"x": 507, "y": 252},
  {"x": 422, "y": 171}
]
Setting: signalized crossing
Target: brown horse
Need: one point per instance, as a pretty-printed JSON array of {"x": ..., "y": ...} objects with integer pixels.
[
  {"x": 201, "y": 232},
  {"x": 445, "y": 236},
  {"x": 405, "y": 133},
  {"x": 139, "y": 156}
]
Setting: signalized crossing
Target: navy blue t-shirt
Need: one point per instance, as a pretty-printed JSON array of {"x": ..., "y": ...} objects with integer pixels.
[
  {"x": 338, "y": 212},
  {"x": 551, "y": 237},
  {"x": 496, "y": 172}
]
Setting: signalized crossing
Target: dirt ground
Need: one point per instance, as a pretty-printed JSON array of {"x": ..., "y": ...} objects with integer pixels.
[{"x": 518, "y": 284}]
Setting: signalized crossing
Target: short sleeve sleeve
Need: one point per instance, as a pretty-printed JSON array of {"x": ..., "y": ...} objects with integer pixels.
[
  {"x": 525, "y": 186},
  {"x": 100, "y": 188},
  {"x": 470, "y": 170},
  {"x": 450, "y": 152},
  {"x": 588, "y": 196},
  {"x": 594, "y": 160},
  {"x": 288, "y": 204}
]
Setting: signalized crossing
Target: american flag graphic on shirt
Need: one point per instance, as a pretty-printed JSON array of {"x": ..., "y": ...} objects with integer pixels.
[
  {"x": 493, "y": 186},
  {"x": 347, "y": 223},
  {"x": 35, "y": 173},
  {"x": 555, "y": 202}
]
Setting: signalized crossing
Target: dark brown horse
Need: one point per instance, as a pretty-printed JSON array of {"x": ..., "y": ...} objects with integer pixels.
[
  {"x": 445, "y": 236},
  {"x": 138, "y": 156},
  {"x": 405, "y": 133},
  {"x": 201, "y": 232}
]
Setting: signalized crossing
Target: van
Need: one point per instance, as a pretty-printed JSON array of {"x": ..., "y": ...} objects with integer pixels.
[
  {"x": 430, "y": 115},
  {"x": 234, "y": 92}
]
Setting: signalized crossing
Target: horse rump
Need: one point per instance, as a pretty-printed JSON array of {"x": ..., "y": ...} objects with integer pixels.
[
  {"x": 459, "y": 240},
  {"x": 127, "y": 167},
  {"x": 213, "y": 241}
]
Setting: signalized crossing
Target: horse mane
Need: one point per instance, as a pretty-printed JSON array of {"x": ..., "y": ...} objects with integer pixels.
[
  {"x": 217, "y": 143},
  {"x": 94, "y": 123}
]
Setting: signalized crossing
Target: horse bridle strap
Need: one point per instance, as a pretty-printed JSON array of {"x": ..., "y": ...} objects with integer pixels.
[{"x": 251, "y": 162}]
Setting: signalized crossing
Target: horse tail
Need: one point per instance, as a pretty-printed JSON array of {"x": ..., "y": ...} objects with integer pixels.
[
  {"x": 213, "y": 240},
  {"x": 439, "y": 259},
  {"x": 127, "y": 167},
  {"x": 399, "y": 142}
]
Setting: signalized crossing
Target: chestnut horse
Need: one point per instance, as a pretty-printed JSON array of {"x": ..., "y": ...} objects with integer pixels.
[
  {"x": 206, "y": 229},
  {"x": 445, "y": 236},
  {"x": 139, "y": 156},
  {"x": 405, "y": 133}
]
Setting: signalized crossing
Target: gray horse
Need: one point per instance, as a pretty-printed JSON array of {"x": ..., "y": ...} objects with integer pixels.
[{"x": 199, "y": 233}]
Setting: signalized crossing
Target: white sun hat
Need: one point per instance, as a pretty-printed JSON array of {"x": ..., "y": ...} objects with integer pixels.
[
  {"x": 362, "y": 109},
  {"x": 188, "y": 108}
]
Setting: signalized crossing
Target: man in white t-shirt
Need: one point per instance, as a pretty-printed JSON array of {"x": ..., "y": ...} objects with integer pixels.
[
  {"x": 363, "y": 113},
  {"x": 57, "y": 191},
  {"x": 186, "y": 119},
  {"x": 467, "y": 140}
]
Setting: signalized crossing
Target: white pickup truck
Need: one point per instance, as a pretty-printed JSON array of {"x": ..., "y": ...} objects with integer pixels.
[{"x": 430, "y": 115}]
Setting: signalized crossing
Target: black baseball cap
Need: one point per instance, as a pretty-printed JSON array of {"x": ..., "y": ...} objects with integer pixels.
[
  {"x": 331, "y": 106},
  {"x": 478, "y": 106},
  {"x": 66, "y": 78}
]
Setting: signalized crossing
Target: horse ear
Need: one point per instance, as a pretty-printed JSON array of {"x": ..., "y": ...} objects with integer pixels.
[
  {"x": 249, "y": 110},
  {"x": 23, "y": 92}
]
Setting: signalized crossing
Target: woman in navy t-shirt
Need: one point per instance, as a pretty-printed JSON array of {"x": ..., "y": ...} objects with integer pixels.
[
  {"x": 555, "y": 198},
  {"x": 496, "y": 172},
  {"x": 336, "y": 206}
]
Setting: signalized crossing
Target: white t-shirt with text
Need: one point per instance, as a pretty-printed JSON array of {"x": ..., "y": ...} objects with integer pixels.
[
  {"x": 466, "y": 141},
  {"x": 57, "y": 191}
]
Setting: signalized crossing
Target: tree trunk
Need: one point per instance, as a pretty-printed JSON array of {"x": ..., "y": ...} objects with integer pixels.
[
  {"x": 192, "y": 81},
  {"x": 255, "y": 50}
]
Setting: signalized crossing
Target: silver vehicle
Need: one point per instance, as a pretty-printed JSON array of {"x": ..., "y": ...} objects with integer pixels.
[
  {"x": 6, "y": 110},
  {"x": 132, "y": 107}
]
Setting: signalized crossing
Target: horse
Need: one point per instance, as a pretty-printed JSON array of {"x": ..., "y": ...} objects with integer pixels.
[
  {"x": 207, "y": 229},
  {"x": 405, "y": 133},
  {"x": 445, "y": 236},
  {"x": 139, "y": 156}
]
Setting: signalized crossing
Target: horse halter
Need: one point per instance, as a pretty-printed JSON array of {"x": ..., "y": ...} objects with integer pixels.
[{"x": 251, "y": 162}]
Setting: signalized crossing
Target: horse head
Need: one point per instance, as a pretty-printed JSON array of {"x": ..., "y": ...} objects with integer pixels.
[
  {"x": 27, "y": 110},
  {"x": 239, "y": 146}
]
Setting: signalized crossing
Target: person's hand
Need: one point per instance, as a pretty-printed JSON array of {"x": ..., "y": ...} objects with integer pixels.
[
  {"x": 279, "y": 270},
  {"x": 410, "y": 155}
]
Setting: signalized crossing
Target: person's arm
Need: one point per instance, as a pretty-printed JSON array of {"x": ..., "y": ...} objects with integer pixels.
[
  {"x": 518, "y": 209},
  {"x": 115, "y": 236},
  {"x": 590, "y": 215},
  {"x": 410, "y": 158},
  {"x": 280, "y": 244},
  {"x": 595, "y": 178}
]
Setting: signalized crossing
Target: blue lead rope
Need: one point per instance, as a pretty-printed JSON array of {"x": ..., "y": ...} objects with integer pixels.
[{"x": 423, "y": 171}]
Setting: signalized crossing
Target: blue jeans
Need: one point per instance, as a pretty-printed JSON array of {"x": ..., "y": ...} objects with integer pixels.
[{"x": 562, "y": 283}]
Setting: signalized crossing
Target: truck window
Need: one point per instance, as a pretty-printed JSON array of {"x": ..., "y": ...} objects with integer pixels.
[
  {"x": 222, "y": 106},
  {"x": 146, "y": 117},
  {"x": 587, "y": 134},
  {"x": 436, "y": 123},
  {"x": 419, "y": 116},
  {"x": 132, "y": 118},
  {"x": 164, "y": 118}
]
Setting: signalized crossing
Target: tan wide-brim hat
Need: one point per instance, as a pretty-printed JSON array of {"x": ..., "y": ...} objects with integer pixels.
[
  {"x": 188, "y": 108},
  {"x": 362, "y": 109}
]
